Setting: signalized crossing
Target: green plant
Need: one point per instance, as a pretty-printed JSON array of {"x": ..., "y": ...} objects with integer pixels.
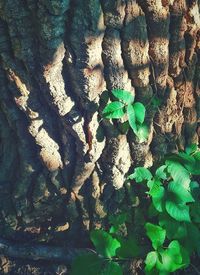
[
  {"x": 134, "y": 112},
  {"x": 175, "y": 206},
  {"x": 111, "y": 250},
  {"x": 173, "y": 227}
]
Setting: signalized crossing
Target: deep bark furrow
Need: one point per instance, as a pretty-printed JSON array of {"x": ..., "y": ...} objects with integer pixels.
[
  {"x": 135, "y": 45},
  {"x": 177, "y": 40},
  {"x": 157, "y": 18}
]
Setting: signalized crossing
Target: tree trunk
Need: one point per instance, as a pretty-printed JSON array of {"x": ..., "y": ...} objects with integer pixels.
[{"x": 62, "y": 167}]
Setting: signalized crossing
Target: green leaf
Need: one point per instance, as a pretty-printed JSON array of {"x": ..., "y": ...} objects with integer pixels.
[
  {"x": 185, "y": 157},
  {"x": 171, "y": 257},
  {"x": 154, "y": 186},
  {"x": 190, "y": 162},
  {"x": 139, "y": 112},
  {"x": 125, "y": 96},
  {"x": 140, "y": 174},
  {"x": 179, "y": 193},
  {"x": 197, "y": 155},
  {"x": 179, "y": 212},
  {"x": 104, "y": 243},
  {"x": 157, "y": 192},
  {"x": 158, "y": 199},
  {"x": 178, "y": 173},
  {"x": 128, "y": 249},
  {"x": 193, "y": 168},
  {"x": 87, "y": 264},
  {"x": 142, "y": 132},
  {"x": 111, "y": 268},
  {"x": 151, "y": 260},
  {"x": 156, "y": 234},
  {"x": 131, "y": 118},
  {"x": 114, "y": 110},
  {"x": 160, "y": 172},
  {"x": 174, "y": 229},
  {"x": 191, "y": 149}
]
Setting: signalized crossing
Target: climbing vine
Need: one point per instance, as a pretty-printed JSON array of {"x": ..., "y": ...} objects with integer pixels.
[
  {"x": 167, "y": 233},
  {"x": 134, "y": 112}
]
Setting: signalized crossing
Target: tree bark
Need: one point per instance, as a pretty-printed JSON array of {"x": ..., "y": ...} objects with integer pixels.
[{"x": 63, "y": 168}]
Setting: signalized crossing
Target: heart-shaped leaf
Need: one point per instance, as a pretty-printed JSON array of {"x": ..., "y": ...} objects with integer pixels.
[
  {"x": 156, "y": 234},
  {"x": 123, "y": 95},
  {"x": 179, "y": 212},
  {"x": 104, "y": 243},
  {"x": 114, "y": 110},
  {"x": 131, "y": 118},
  {"x": 140, "y": 174},
  {"x": 139, "y": 112}
]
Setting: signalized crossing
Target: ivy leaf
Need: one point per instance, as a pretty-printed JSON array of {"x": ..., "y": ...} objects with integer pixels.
[
  {"x": 151, "y": 260},
  {"x": 128, "y": 249},
  {"x": 171, "y": 257},
  {"x": 123, "y": 95},
  {"x": 157, "y": 192},
  {"x": 114, "y": 110},
  {"x": 190, "y": 162},
  {"x": 178, "y": 173},
  {"x": 158, "y": 198},
  {"x": 174, "y": 229},
  {"x": 179, "y": 193},
  {"x": 139, "y": 112},
  {"x": 142, "y": 132},
  {"x": 191, "y": 149},
  {"x": 160, "y": 172},
  {"x": 153, "y": 185},
  {"x": 87, "y": 264},
  {"x": 131, "y": 118},
  {"x": 197, "y": 155},
  {"x": 111, "y": 268},
  {"x": 186, "y": 158},
  {"x": 193, "y": 168},
  {"x": 156, "y": 234},
  {"x": 104, "y": 243},
  {"x": 140, "y": 174},
  {"x": 179, "y": 212}
]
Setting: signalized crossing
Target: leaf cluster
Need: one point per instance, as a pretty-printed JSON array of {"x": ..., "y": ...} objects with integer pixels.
[
  {"x": 175, "y": 205},
  {"x": 134, "y": 111},
  {"x": 173, "y": 226},
  {"x": 110, "y": 249}
]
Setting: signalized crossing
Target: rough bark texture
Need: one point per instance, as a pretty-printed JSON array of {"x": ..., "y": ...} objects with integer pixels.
[{"x": 62, "y": 169}]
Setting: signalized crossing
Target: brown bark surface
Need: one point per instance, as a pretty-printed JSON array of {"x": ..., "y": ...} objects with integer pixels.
[{"x": 63, "y": 168}]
